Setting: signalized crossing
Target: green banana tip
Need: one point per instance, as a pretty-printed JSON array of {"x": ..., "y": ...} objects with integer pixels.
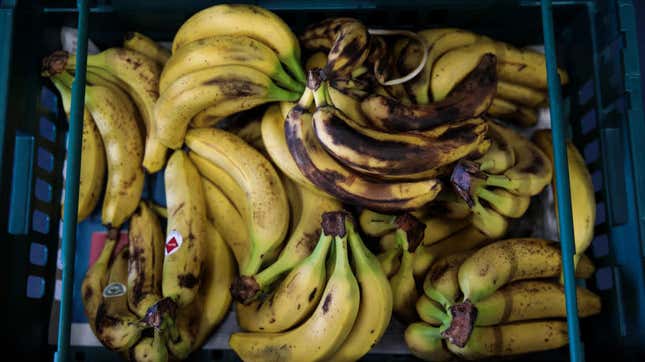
[{"x": 463, "y": 316}]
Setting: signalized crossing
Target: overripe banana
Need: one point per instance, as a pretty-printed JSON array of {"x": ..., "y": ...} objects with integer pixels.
[
  {"x": 514, "y": 65},
  {"x": 302, "y": 241},
  {"x": 329, "y": 325},
  {"x": 146, "y": 46},
  {"x": 425, "y": 342},
  {"x": 116, "y": 327},
  {"x": 96, "y": 278},
  {"x": 512, "y": 339},
  {"x": 92, "y": 176},
  {"x": 583, "y": 200},
  {"x": 225, "y": 50},
  {"x": 497, "y": 264},
  {"x": 469, "y": 99},
  {"x": 349, "y": 50},
  {"x": 323, "y": 34},
  {"x": 146, "y": 260},
  {"x": 375, "y": 308},
  {"x": 114, "y": 117},
  {"x": 248, "y": 20},
  {"x": 264, "y": 207},
  {"x": 196, "y": 321},
  {"x": 326, "y": 173},
  {"x": 186, "y": 230},
  {"x": 242, "y": 87}
]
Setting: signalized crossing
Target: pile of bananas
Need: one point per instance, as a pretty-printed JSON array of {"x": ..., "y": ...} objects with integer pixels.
[{"x": 264, "y": 160}]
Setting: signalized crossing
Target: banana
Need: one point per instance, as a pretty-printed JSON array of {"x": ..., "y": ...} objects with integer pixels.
[
  {"x": 316, "y": 60},
  {"x": 529, "y": 176},
  {"x": 500, "y": 157},
  {"x": 502, "y": 262},
  {"x": 302, "y": 241},
  {"x": 276, "y": 144},
  {"x": 92, "y": 176},
  {"x": 438, "y": 41},
  {"x": 431, "y": 312},
  {"x": 512, "y": 339},
  {"x": 150, "y": 349},
  {"x": 292, "y": 301},
  {"x": 390, "y": 261},
  {"x": 186, "y": 230},
  {"x": 514, "y": 65},
  {"x": 438, "y": 229},
  {"x": 251, "y": 133},
  {"x": 583, "y": 200},
  {"x": 504, "y": 202},
  {"x": 447, "y": 205},
  {"x": 489, "y": 221},
  {"x": 96, "y": 278},
  {"x": 146, "y": 46},
  {"x": 323, "y": 34},
  {"x": 349, "y": 51},
  {"x": 403, "y": 285},
  {"x": 469, "y": 99},
  {"x": 146, "y": 260},
  {"x": 441, "y": 283},
  {"x": 425, "y": 342},
  {"x": 349, "y": 105},
  {"x": 244, "y": 20},
  {"x": 376, "y": 224},
  {"x": 116, "y": 327},
  {"x": 326, "y": 173},
  {"x": 239, "y": 85},
  {"x": 518, "y": 114},
  {"x": 532, "y": 299},
  {"x": 463, "y": 240},
  {"x": 525, "y": 117},
  {"x": 375, "y": 308},
  {"x": 225, "y": 50},
  {"x": 140, "y": 75},
  {"x": 114, "y": 117},
  {"x": 264, "y": 207},
  {"x": 520, "y": 94},
  {"x": 196, "y": 322},
  {"x": 501, "y": 108},
  {"x": 329, "y": 325},
  {"x": 397, "y": 91},
  {"x": 374, "y": 152},
  {"x": 227, "y": 220}
]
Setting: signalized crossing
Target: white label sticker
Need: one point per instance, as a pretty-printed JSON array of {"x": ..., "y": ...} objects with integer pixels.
[
  {"x": 113, "y": 290},
  {"x": 173, "y": 242}
]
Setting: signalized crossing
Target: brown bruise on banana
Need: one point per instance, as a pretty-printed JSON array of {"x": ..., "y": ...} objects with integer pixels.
[
  {"x": 329, "y": 180},
  {"x": 397, "y": 158},
  {"x": 469, "y": 99},
  {"x": 234, "y": 87}
]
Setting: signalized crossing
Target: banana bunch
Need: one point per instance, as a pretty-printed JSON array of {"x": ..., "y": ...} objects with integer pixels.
[
  {"x": 226, "y": 59},
  {"x": 323, "y": 309},
  {"x": 499, "y": 300},
  {"x": 499, "y": 185}
]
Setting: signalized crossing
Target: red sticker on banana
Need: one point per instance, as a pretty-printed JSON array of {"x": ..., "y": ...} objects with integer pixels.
[{"x": 173, "y": 242}]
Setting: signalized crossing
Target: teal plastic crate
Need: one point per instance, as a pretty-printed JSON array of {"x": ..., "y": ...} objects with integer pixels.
[{"x": 600, "y": 110}]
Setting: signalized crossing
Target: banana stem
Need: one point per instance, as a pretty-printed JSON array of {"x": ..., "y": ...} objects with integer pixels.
[
  {"x": 402, "y": 239},
  {"x": 438, "y": 314},
  {"x": 307, "y": 99},
  {"x": 321, "y": 95},
  {"x": 499, "y": 181},
  {"x": 416, "y": 70}
]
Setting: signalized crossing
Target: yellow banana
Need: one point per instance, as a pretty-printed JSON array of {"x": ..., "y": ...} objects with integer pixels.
[
  {"x": 247, "y": 20},
  {"x": 504, "y": 202},
  {"x": 425, "y": 342},
  {"x": 512, "y": 339},
  {"x": 326, "y": 173},
  {"x": 317, "y": 60},
  {"x": 92, "y": 176},
  {"x": 146, "y": 260},
  {"x": 188, "y": 95},
  {"x": 116, "y": 327},
  {"x": 301, "y": 242},
  {"x": 225, "y": 50},
  {"x": 186, "y": 230},
  {"x": 441, "y": 283},
  {"x": 114, "y": 117},
  {"x": 583, "y": 200},
  {"x": 146, "y": 46},
  {"x": 329, "y": 325},
  {"x": 150, "y": 349},
  {"x": 375, "y": 308},
  {"x": 502, "y": 262},
  {"x": 515, "y": 65},
  {"x": 96, "y": 278},
  {"x": 438, "y": 229},
  {"x": 500, "y": 157},
  {"x": 294, "y": 298},
  {"x": 265, "y": 208},
  {"x": 196, "y": 321},
  {"x": 390, "y": 261},
  {"x": 469, "y": 99},
  {"x": 520, "y": 94},
  {"x": 228, "y": 221},
  {"x": 501, "y": 108}
]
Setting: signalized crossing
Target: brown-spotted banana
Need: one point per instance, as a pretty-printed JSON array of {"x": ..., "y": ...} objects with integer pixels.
[{"x": 146, "y": 46}]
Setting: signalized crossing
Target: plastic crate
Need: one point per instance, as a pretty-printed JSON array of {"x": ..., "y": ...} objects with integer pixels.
[{"x": 601, "y": 111}]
